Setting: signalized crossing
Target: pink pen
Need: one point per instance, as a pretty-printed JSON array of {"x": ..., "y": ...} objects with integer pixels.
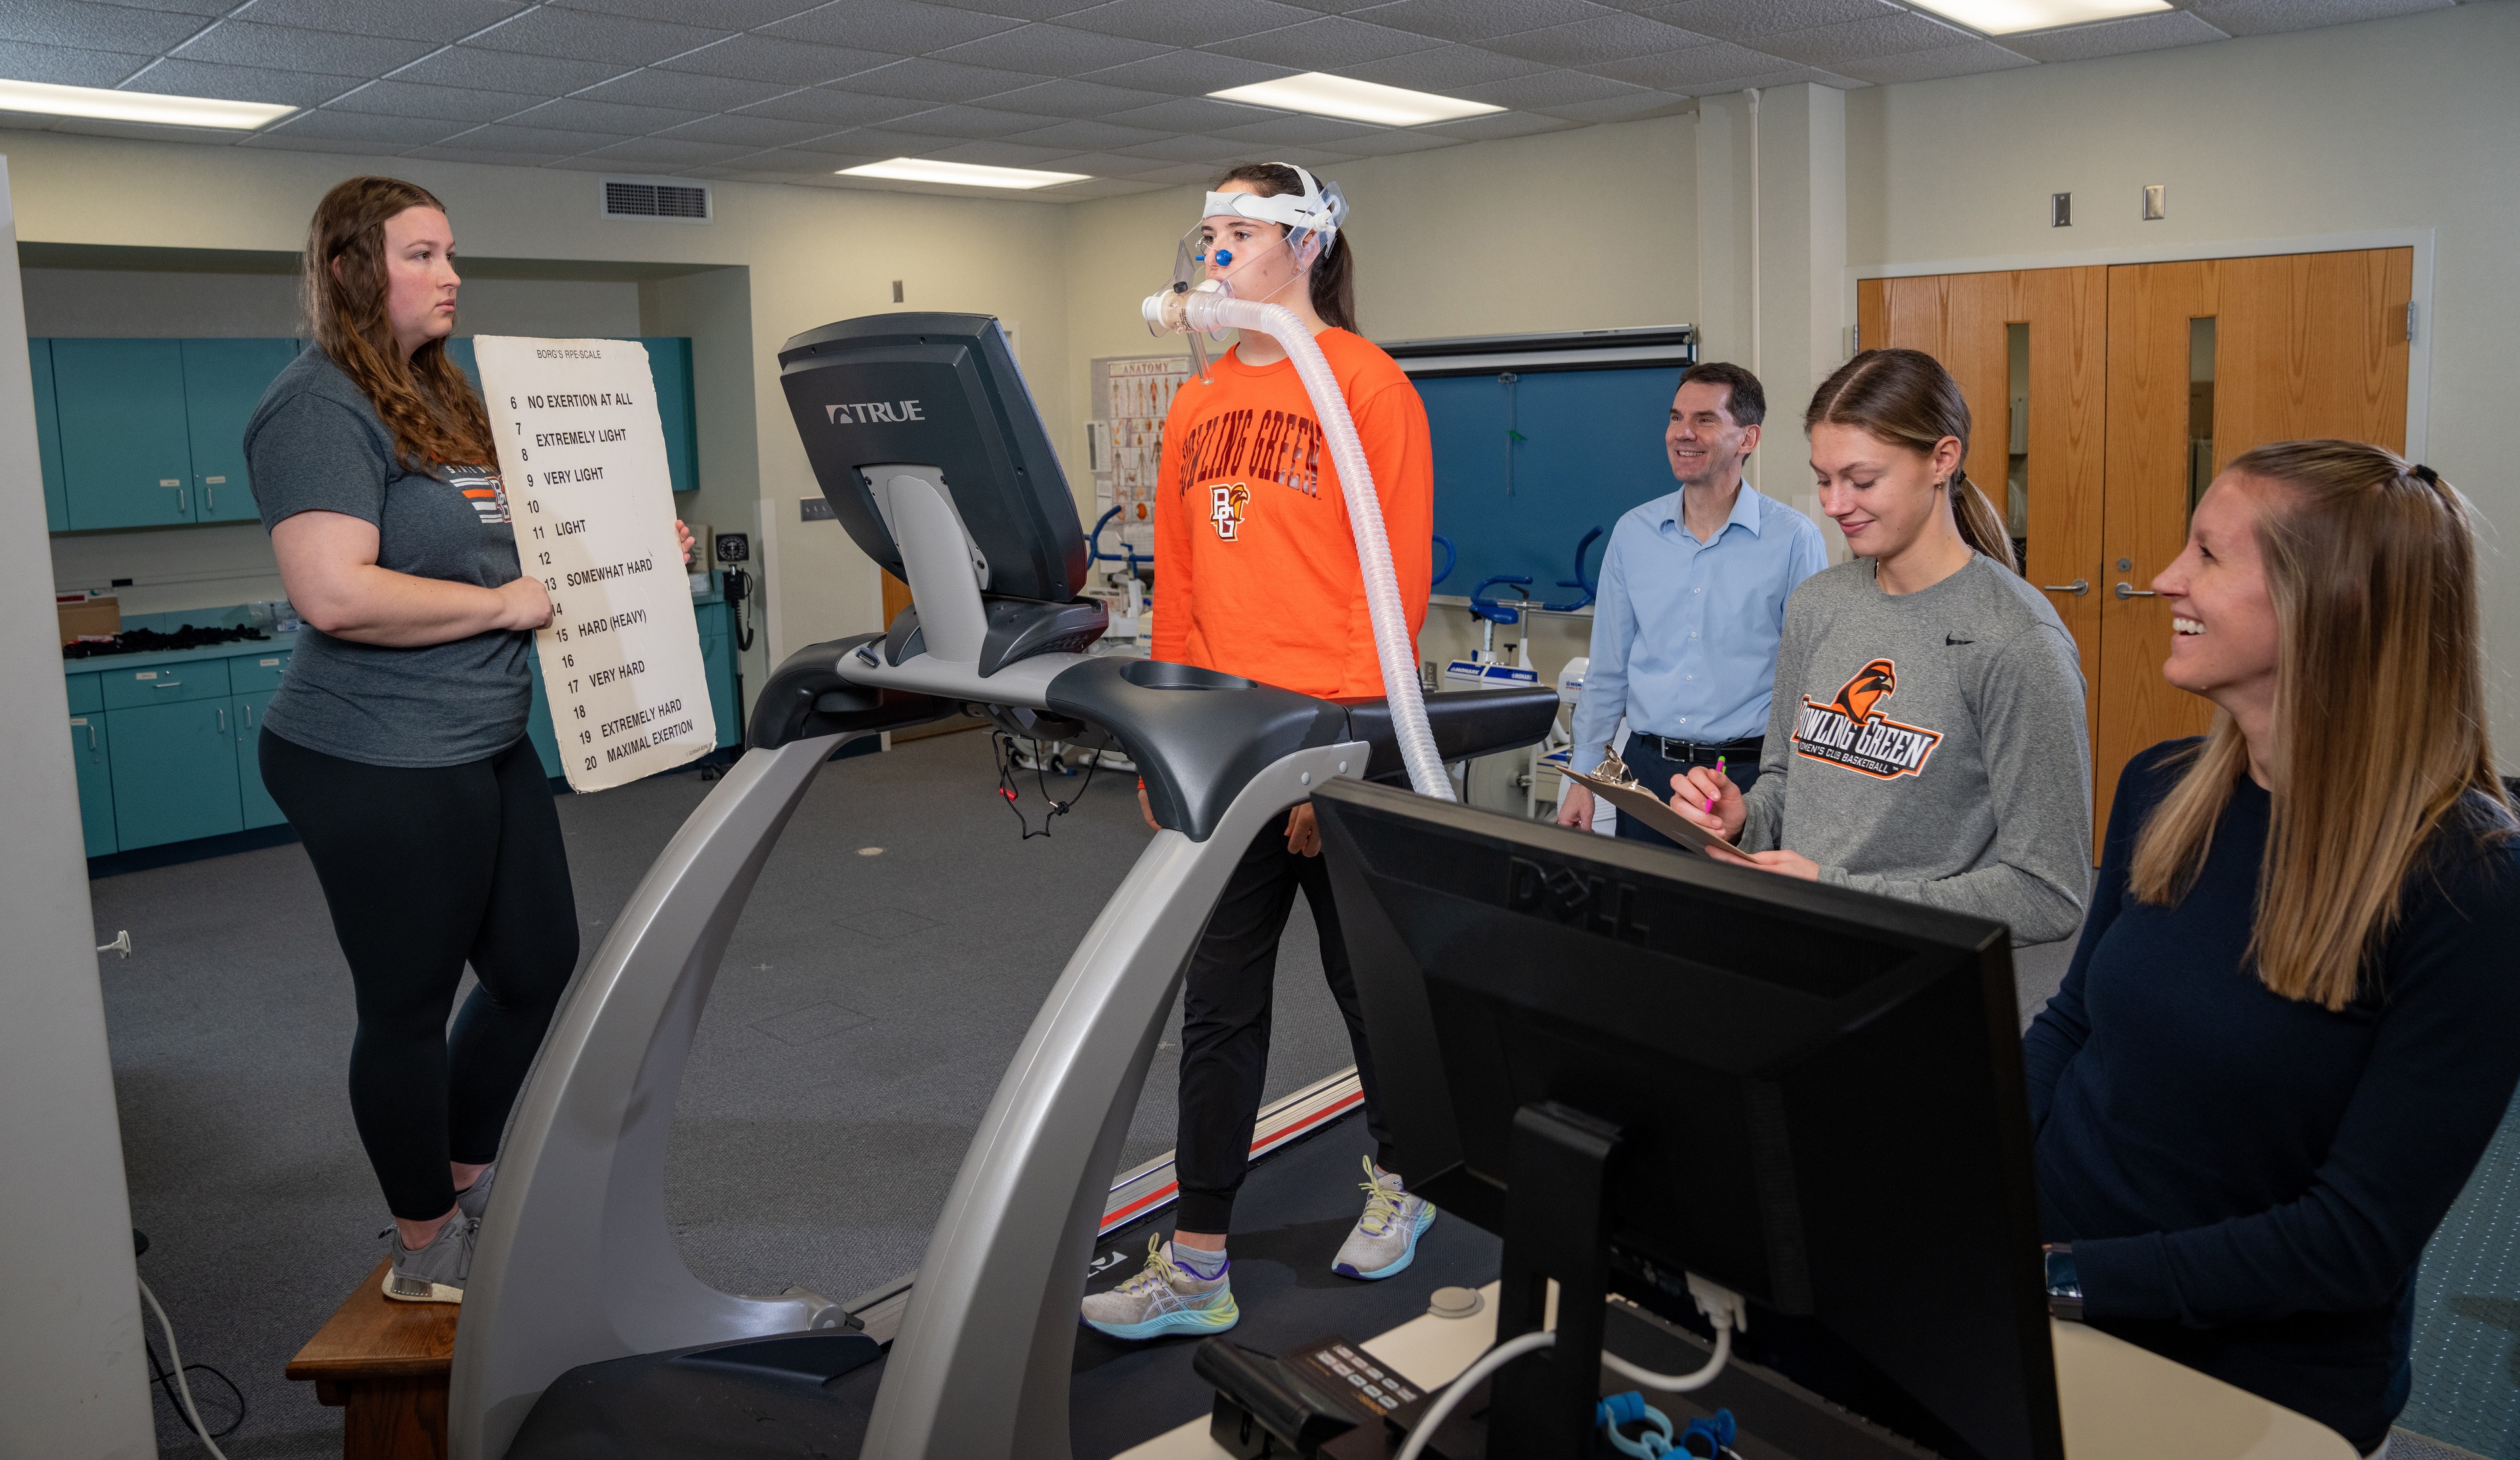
[{"x": 1718, "y": 770}]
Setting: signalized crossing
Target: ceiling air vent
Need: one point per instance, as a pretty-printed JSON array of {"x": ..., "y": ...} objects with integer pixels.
[{"x": 677, "y": 202}]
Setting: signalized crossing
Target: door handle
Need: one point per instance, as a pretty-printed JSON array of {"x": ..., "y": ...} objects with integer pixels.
[
  {"x": 223, "y": 719},
  {"x": 170, "y": 684},
  {"x": 210, "y": 499},
  {"x": 2129, "y": 591},
  {"x": 245, "y": 717},
  {"x": 2077, "y": 588},
  {"x": 91, "y": 739}
]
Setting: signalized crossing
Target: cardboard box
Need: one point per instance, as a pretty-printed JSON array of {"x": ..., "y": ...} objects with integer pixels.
[{"x": 89, "y": 618}]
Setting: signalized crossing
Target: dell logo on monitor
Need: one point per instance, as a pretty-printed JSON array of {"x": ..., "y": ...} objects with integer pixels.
[
  {"x": 872, "y": 410},
  {"x": 1589, "y": 900}
]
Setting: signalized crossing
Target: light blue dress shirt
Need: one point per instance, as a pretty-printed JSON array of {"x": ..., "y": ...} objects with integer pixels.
[{"x": 1685, "y": 633}]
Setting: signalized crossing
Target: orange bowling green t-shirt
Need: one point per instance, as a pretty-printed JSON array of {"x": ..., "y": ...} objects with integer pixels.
[{"x": 1256, "y": 564}]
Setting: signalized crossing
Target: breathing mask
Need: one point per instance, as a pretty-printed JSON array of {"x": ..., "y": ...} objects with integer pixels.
[{"x": 1225, "y": 253}]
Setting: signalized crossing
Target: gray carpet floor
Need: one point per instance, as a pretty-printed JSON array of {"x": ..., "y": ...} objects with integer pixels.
[{"x": 867, "y": 1008}]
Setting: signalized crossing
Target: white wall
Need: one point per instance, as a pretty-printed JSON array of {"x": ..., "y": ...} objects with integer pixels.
[
  {"x": 72, "y": 1382},
  {"x": 2411, "y": 125}
]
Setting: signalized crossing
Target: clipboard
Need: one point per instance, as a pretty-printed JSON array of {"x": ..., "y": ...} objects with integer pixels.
[{"x": 1615, "y": 784}]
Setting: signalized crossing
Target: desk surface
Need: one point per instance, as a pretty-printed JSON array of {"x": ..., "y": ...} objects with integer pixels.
[{"x": 2119, "y": 1400}]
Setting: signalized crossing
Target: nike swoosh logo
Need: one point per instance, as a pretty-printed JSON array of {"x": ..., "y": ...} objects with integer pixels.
[{"x": 1948, "y": 639}]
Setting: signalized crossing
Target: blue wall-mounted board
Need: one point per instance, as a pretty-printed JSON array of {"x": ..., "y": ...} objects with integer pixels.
[{"x": 1591, "y": 448}]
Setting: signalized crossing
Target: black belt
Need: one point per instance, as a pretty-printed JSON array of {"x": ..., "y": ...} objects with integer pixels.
[{"x": 1698, "y": 753}]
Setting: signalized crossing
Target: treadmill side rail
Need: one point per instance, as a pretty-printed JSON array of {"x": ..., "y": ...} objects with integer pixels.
[
  {"x": 982, "y": 1365},
  {"x": 575, "y": 1262}
]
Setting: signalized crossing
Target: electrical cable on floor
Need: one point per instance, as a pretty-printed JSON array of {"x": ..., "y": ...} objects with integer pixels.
[
  {"x": 1506, "y": 1353},
  {"x": 1002, "y": 746},
  {"x": 1674, "y": 1383},
  {"x": 175, "y": 1360},
  {"x": 162, "y": 1378}
]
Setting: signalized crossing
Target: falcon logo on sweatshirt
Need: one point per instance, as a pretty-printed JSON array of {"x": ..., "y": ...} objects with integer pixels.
[
  {"x": 1851, "y": 730},
  {"x": 1228, "y": 502}
]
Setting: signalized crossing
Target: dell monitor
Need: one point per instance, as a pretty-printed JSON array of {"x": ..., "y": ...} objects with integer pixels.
[
  {"x": 941, "y": 391},
  {"x": 1635, "y": 1065}
]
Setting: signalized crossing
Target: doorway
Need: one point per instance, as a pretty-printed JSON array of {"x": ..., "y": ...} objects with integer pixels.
[{"x": 2104, "y": 398}]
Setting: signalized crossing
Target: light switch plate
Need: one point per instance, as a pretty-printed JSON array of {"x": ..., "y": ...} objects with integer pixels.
[
  {"x": 2156, "y": 205},
  {"x": 2060, "y": 210}
]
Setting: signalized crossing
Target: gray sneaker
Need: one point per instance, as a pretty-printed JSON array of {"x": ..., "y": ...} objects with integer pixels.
[
  {"x": 474, "y": 1199},
  {"x": 1163, "y": 1299},
  {"x": 1385, "y": 1240},
  {"x": 436, "y": 1272}
]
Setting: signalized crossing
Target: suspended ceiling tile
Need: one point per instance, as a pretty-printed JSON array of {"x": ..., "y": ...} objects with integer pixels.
[
  {"x": 668, "y": 151},
  {"x": 1746, "y": 20},
  {"x": 1327, "y": 43},
  {"x": 1180, "y": 175},
  {"x": 1882, "y": 35},
  {"x": 1792, "y": 75},
  {"x": 1966, "y": 59},
  {"x": 95, "y": 28},
  {"x": 1186, "y": 23},
  {"x": 95, "y": 126},
  {"x": 972, "y": 122},
  {"x": 1207, "y": 152},
  {"x": 298, "y": 49},
  {"x": 1613, "y": 38},
  {"x": 1636, "y": 105},
  {"x": 926, "y": 81},
  {"x": 1482, "y": 19},
  {"x": 1498, "y": 125},
  {"x": 439, "y": 20},
  {"x": 508, "y": 70},
  {"x": 841, "y": 109},
  {"x": 550, "y": 30},
  {"x": 1051, "y": 50},
  {"x": 578, "y": 114},
  {"x": 883, "y": 142},
  {"x": 541, "y": 141},
  {"x": 1191, "y": 115},
  {"x": 1084, "y": 136},
  {"x": 2268, "y": 17},
  {"x": 361, "y": 126},
  {"x": 282, "y": 141},
  {"x": 1699, "y": 65},
  {"x": 998, "y": 152},
  {"x": 747, "y": 131},
  {"x": 202, "y": 8},
  {"x": 1070, "y": 98},
  {"x": 2151, "y": 32},
  {"x": 684, "y": 91},
  {"x": 1108, "y": 164},
  {"x": 65, "y": 66},
  {"x": 1189, "y": 74},
  {"x": 1445, "y": 70},
  {"x": 1018, "y": 10},
  {"x": 792, "y": 160},
  {"x": 240, "y": 83},
  {"x": 1547, "y": 90},
  {"x": 491, "y": 157},
  {"x": 1297, "y": 131},
  {"x": 1397, "y": 141},
  {"x": 902, "y": 27},
  {"x": 728, "y": 15},
  {"x": 769, "y": 58}
]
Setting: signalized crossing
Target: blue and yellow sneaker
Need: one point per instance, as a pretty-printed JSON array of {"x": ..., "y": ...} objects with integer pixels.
[
  {"x": 1385, "y": 1239},
  {"x": 1163, "y": 1299}
]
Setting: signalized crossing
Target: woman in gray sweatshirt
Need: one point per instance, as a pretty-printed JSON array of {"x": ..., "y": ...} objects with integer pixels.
[{"x": 1926, "y": 738}]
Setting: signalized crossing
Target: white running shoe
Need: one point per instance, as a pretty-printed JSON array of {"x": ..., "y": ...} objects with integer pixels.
[
  {"x": 1385, "y": 1239},
  {"x": 1163, "y": 1299}
]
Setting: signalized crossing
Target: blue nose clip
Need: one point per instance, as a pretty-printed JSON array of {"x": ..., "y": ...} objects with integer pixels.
[{"x": 1223, "y": 256}]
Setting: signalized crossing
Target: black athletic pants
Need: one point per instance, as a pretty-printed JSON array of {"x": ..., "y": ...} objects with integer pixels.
[
  {"x": 425, "y": 869},
  {"x": 1225, "y": 1022}
]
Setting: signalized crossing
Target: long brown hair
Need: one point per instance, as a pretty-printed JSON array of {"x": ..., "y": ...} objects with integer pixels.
[
  {"x": 1333, "y": 276},
  {"x": 1906, "y": 397},
  {"x": 426, "y": 402},
  {"x": 2380, "y": 737}
]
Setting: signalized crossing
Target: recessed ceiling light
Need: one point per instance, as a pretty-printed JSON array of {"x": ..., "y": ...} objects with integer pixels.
[
  {"x": 1324, "y": 95},
  {"x": 2011, "y": 16},
  {"x": 962, "y": 174},
  {"x": 137, "y": 106}
]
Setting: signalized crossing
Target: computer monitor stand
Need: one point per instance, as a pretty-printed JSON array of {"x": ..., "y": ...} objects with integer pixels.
[{"x": 1542, "y": 1403}]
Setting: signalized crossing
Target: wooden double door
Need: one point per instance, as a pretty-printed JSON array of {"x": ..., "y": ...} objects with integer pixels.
[{"x": 2102, "y": 401}]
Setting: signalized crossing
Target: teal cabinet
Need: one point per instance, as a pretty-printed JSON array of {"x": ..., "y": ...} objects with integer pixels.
[
  {"x": 460, "y": 352},
  {"x": 126, "y": 454},
  {"x": 223, "y": 382},
  {"x": 253, "y": 803},
  {"x": 538, "y": 726},
  {"x": 718, "y": 658},
  {"x": 48, "y": 436},
  {"x": 93, "y": 755},
  {"x": 669, "y": 361},
  {"x": 175, "y": 772}
]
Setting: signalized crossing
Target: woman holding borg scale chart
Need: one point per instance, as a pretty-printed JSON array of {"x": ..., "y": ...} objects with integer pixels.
[{"x": 397, "y": 743}]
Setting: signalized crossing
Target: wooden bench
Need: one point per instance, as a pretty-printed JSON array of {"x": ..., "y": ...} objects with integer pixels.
[{"x": 387, "y": 1364}]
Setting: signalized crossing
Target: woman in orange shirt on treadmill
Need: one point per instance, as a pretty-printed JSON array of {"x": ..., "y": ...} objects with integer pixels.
[{"x": 1256, "y": 575}]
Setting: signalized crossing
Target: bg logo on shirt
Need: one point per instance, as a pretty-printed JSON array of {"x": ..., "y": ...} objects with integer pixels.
[
  {"x": 483, "y": 490},
  {"x": 1230, "y": 502},
  {"x": 1850, "y": 732}
]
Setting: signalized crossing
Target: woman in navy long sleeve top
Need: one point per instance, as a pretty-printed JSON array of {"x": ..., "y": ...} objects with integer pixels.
[{"x": 2247, "y": 1179}]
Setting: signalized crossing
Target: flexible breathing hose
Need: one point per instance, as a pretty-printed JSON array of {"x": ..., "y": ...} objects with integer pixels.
[{"x": 1214, "y": 309}]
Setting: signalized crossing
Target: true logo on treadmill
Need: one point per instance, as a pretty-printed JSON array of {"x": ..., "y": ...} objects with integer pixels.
[
  {"x": 489, "y": 499},
  {"x": 1229, "y": 501},
  {"x": 1850, "y": 730}
]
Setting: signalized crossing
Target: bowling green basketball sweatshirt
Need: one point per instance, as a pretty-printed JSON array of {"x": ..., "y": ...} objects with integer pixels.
[
  {"x": 1931, "y": 746},
  {"x": 1256, "y": 564}
]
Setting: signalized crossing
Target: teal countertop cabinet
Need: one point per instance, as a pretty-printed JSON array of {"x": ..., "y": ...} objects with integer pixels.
[
  {"x": 223, "y": 382},
  {"x": 176, "y": 777},
  {"x": 126, "y": 457},
  {"x": 91, "y": 750},
  {"x": 48, "y": 436}
]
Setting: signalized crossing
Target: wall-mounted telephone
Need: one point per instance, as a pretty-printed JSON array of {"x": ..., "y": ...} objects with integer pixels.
[{"x": 733, "y": 548}]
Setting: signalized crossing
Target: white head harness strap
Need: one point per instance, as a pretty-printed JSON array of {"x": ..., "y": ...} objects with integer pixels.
[{"x": 1314, "y": 210}]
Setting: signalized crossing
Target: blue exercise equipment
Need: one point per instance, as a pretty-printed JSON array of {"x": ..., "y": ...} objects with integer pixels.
[
  {"x": 1450, "y": 557},
  {"x": 1498, "y": 611},
  {"x": 1094, "y": 546}
]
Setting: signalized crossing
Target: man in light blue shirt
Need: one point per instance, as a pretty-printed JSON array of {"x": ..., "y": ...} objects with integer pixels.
[{"x": 1691, "y": 604}]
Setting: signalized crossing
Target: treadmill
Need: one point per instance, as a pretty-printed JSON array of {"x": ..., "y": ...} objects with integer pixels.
[{"x": 925, "y": 441}]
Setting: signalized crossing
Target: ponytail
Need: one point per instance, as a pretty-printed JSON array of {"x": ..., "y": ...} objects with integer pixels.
[{"x": 1905, "y": 397}]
